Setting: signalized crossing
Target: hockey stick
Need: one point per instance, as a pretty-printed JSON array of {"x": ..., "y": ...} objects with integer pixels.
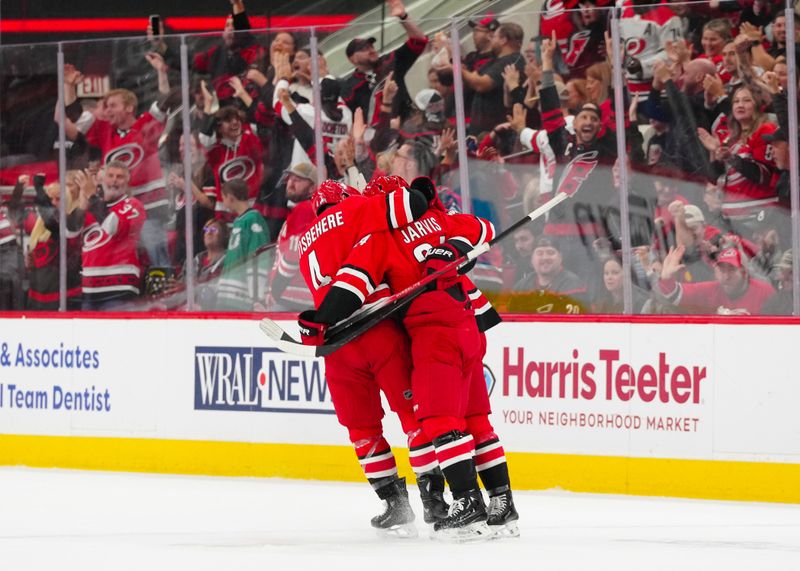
[{"x": 350, "y": 328}]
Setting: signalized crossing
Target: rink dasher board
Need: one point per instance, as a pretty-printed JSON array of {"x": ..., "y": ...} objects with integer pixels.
[{"x": 691, "y": 408}]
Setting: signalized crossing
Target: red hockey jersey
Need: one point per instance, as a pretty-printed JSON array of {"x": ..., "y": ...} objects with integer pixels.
[
  {"x": 579, "y": 47},
  {"x": 710, "y": 297},
  {"x": 398, "y": 257},
  {"x": 230, "y": 160},
  {"x": 325, "y": 246},
  {"x": 288, "y": 287},
  {"x": 111, "y": 266},
  {"x": 137, "y": 148},
  {"x": 742, "y": 195}
]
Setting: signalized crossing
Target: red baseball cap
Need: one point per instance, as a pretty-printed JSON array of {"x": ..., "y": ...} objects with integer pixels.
[
  {"x": 489, "y": 22},
  {"x": 730, "y": 256}
]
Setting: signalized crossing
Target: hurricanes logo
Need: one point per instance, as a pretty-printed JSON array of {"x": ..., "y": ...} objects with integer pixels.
[
  {"x": 488, "y": 376},
  {"x": 634, "y": 46},
  {"x": 43, "y": 254},
  {"x": 577, "y": 44},
  {"x": 94, "y": 237},
  {"x": 239, "y": 168},
  {"x": 552, "y": 9},
  {"x": 130, "y": 155},
  {"x": 577, "y": 171}
]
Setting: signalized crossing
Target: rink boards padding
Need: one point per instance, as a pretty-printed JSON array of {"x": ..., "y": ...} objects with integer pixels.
[{"x": 689, "y": 407}]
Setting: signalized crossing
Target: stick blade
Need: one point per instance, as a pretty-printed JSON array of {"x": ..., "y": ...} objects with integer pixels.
[
  {"x": 289, "y": 344},
  {"x": 271, "y": 329}
]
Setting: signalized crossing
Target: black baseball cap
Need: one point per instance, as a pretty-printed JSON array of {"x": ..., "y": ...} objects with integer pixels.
[
  {"x": 329, "y": 89},
  {"x": 358, "y": 44}
]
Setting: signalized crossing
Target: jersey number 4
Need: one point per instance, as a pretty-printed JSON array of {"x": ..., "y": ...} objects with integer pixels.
[{"x": 317, "y": 279}]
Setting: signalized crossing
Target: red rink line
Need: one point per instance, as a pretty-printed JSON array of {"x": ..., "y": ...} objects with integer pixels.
[
  {"x": 174, "y": 24},
  {"x": 508, "y": 318}
]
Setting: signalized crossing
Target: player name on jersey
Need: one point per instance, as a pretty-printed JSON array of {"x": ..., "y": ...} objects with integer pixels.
[
  {"x": 321, "y": 226},
  {"x": 420, "y": 228}
]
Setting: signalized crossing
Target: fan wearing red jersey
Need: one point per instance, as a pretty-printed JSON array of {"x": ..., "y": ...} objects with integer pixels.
[
  {"x": 742, "y": 157},
  {"x": 288, "y": 289},
  {"x": 133, "y": 141},
  {"x": 378, "y": 360},
  {"x": 233, "y": 152},
  {"x": 445, "y": 343},
  {"x": 111, "y": 226}
]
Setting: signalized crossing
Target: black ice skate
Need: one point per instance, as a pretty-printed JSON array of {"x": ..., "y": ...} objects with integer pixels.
[
  {"x": 502, "y": 517},
  {"x": 431, "y": 491},
  {"x": 466, "y": 520},
  {"x": 397, "y": 519}
]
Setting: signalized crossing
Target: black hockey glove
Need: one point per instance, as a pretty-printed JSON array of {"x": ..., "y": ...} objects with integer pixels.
[
  {"x": 425, "y": 186},
  {"x": 311, "y": 332}
]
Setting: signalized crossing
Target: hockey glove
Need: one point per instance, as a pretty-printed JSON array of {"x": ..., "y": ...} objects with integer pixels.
[
  {"x": 438, "y": 258},
  {"x": 425, "y": 186},
  {"x": 311, "y": 332}
]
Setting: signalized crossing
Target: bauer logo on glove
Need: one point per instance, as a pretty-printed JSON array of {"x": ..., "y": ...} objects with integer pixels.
[
  {"x": 311, "y": 332},
  {"x": 445, "y": 253}
]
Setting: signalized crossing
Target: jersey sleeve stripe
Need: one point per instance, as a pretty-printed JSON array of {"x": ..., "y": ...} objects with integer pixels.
[
  {"x": 489, "y": 231},
  {"x": 469, "y": 244},
  {"x": 392, "y": 219},
  {"x": 399, "y": 203},
  {"x": 358, "y": 274},
  {"x": 407, "y": 207}
]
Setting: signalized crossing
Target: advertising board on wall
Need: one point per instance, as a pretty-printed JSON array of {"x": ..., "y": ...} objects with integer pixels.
[
  {"x": 662, "y": 391},
  {"x": 693, "y": 392}
]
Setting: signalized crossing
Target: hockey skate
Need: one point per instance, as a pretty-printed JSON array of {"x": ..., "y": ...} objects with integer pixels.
[
  {"x": 431, "y": 491},
  {"x": 502, "y": 517},
  {"x": 397, "y": 519},
  {"x": 466, "y": 520}
]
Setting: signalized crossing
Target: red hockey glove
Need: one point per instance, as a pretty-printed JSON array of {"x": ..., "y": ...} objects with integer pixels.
[
  {"x": 311, "y": 332},
  {"x": 439, "y": 257}
]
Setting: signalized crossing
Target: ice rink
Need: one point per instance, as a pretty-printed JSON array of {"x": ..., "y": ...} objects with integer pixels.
[{"x": 58, "y": 519}]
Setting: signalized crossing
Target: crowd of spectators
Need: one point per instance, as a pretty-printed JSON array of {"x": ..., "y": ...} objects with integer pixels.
[{"x": 706, "y": 129}]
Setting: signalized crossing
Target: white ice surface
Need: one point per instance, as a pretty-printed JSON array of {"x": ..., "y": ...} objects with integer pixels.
[{"x": 58, "y": 520}]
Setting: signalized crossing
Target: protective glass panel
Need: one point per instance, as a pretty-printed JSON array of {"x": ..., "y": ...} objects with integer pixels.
[
  {"x": 710, "y": 215},
  {"x": 30, "y": 230}
]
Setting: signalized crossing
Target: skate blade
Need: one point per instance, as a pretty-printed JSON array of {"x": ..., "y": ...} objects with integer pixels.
[
  {"x": 403, "y": 531},
  {"x": 478, "y": 531},
  {"x": 510, "y": 529}
]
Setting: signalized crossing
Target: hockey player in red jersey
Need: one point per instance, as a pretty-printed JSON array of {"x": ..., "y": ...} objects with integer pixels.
[
  {"x": 490, "y": 460},
  {"x": 377, "y": 360},
  {"x": 445, "y": 342}
]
